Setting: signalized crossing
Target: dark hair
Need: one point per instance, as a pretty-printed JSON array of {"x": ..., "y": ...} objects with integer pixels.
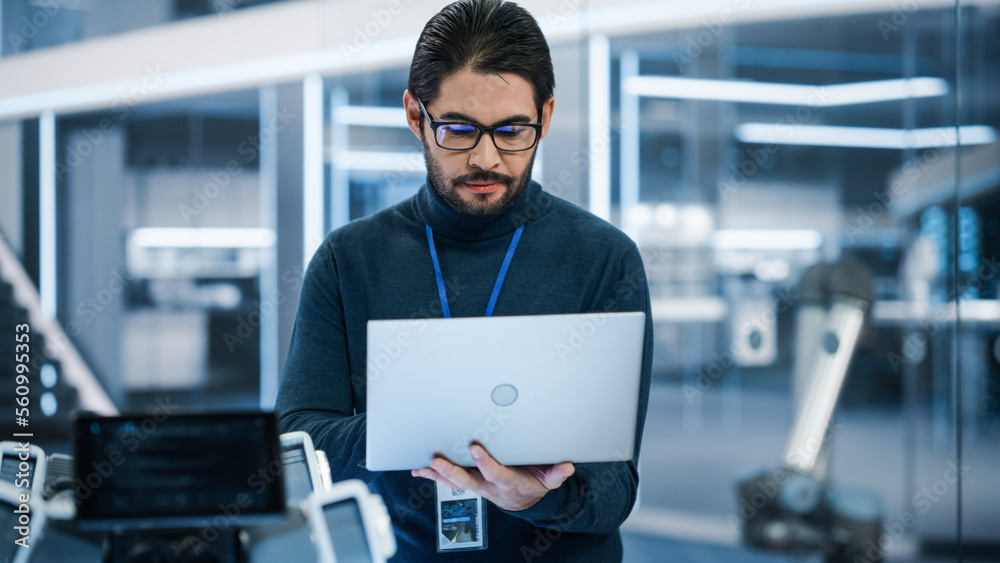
[{"x": 485, "y": 36}]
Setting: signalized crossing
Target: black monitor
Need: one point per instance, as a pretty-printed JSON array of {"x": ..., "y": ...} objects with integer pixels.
[{"x": 184, "y": 471}]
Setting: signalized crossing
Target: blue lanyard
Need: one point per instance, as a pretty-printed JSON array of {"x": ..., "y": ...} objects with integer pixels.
[{"x": 442, "y": 294}]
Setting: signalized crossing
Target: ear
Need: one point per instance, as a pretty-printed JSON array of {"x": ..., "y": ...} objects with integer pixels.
[
  {"x": 546, "y": 116},
  {"x": 412, "y": 108}
]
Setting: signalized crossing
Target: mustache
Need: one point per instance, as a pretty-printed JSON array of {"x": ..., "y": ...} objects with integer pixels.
[{"x": 484, "y": 176}]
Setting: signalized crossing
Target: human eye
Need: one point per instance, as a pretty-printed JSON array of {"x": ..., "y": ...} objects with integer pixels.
[
  {"x": 459, "y": 129},
  {"x": 513, "y": 131}
]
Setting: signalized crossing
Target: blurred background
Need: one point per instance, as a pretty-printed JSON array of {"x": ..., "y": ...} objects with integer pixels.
[{"x": 168, "y": 167}]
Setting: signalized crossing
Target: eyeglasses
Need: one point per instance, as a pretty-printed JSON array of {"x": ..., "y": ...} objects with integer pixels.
[{"x": 461, "y": 136}]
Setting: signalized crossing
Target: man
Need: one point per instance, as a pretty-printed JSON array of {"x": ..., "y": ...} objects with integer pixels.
[{"x": 479, "y": 98}]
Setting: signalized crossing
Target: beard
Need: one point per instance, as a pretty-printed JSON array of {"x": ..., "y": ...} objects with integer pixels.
[{"x": 481, "y": 205}]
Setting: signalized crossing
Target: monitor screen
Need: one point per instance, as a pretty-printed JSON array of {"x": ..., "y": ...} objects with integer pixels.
[
  {"x": 8, "y": 519},
  {"x": 10, "y": 467},
  {"x": 347, "y": 531},
  {"x": 298, "y": 482},
  {"x": 134, "y": 472}
]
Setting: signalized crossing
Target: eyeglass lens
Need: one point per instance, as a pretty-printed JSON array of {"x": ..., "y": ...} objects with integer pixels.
[{"x": 458, "y": 136}]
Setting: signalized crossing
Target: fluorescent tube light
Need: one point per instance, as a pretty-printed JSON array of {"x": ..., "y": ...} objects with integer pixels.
[
  {"x": 181, "y": 237},
  {"x": 599, "y": 129},
  {"x": 381, "y": 161},
  {"x": 371, "y": 116},
  {"x": 864, "y": 137},
  {"x": 313, "y": 212},
  {"x": 47, "y": 221},
  {"x": 786, "y": 94},
  {"x": 767, "y": 239}
]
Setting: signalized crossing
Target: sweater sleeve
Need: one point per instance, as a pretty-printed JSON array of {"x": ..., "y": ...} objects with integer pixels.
[
  {"x": 598, "y": 497},
  {"x": 317, "y": 392}
]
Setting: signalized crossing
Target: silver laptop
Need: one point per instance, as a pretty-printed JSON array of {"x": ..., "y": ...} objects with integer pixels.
[{"x": 531, "y": 389}]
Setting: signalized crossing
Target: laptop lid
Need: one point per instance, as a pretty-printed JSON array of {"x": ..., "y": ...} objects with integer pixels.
[{"x": 531, "y": 389}]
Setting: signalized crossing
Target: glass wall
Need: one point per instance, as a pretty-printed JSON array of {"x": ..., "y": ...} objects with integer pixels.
[
  {"x": 780, "y": 174},
  {"x": 161, "y": 239}
]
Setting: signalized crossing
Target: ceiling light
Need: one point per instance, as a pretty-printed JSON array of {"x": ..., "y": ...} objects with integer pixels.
[
  {"x": 865, "y": 137},
  {"x": 785, "y": 94},
  {"x": 762, "y": 239},
  {"x": 372, "y": 116},
  {"x": 152, "y": 237}
]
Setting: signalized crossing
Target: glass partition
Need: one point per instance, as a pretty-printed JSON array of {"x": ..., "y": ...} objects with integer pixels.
[
  {"x": 161, "y": 243},
  {"x": 806, "y": 190}
]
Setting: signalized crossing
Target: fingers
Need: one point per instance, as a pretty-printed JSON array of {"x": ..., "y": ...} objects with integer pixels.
[
  {"x": 510, "y": 488},
  {"x": 557, "y": 475},
  {"x": 566, "y": 469},
  {"x": 434, "y": 475},
  {"x": 550, "y": 477},
  {"x": 449, "y": 475},
  {"x": 490, "y": 468}
]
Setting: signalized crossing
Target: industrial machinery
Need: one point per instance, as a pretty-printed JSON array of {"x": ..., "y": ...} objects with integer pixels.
[
  {"x": 186, "y": 488},
  {"x": 795, "y": 508}
]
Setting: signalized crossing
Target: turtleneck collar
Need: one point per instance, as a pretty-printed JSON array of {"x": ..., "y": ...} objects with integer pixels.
[{"x": 445, "y": 220}]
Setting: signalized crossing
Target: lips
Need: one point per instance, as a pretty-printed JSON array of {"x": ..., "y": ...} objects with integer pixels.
[{"x": 482, "y": 187}]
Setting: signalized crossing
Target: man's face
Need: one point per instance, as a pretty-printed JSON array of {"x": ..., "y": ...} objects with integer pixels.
[{"x": 483, "y": 180}]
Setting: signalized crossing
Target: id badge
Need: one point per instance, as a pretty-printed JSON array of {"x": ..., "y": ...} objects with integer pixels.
[{"x": 461, "y": 520}]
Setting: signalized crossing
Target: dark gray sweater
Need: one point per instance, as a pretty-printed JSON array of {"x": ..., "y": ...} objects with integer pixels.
[{"x": 379, "y": 267}]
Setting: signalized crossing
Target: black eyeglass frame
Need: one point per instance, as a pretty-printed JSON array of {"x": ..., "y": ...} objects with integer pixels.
[{"x": 480, "y": 129}]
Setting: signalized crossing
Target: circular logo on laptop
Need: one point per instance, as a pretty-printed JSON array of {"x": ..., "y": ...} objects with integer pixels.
[{"x": 504, "y": 394}]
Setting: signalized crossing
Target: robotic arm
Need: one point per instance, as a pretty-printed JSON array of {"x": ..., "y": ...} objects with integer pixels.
[{"x": 793, "y": 509}]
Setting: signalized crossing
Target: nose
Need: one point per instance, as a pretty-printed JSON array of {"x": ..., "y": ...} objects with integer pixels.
[{"x": 484, "y": 155}]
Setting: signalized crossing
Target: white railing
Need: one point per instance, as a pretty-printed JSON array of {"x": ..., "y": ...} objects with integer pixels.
[{"x": 92, "y": 396}]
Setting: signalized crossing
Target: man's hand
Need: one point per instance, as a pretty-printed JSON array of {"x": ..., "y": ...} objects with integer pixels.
[{"x": 511, "y": 488}]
